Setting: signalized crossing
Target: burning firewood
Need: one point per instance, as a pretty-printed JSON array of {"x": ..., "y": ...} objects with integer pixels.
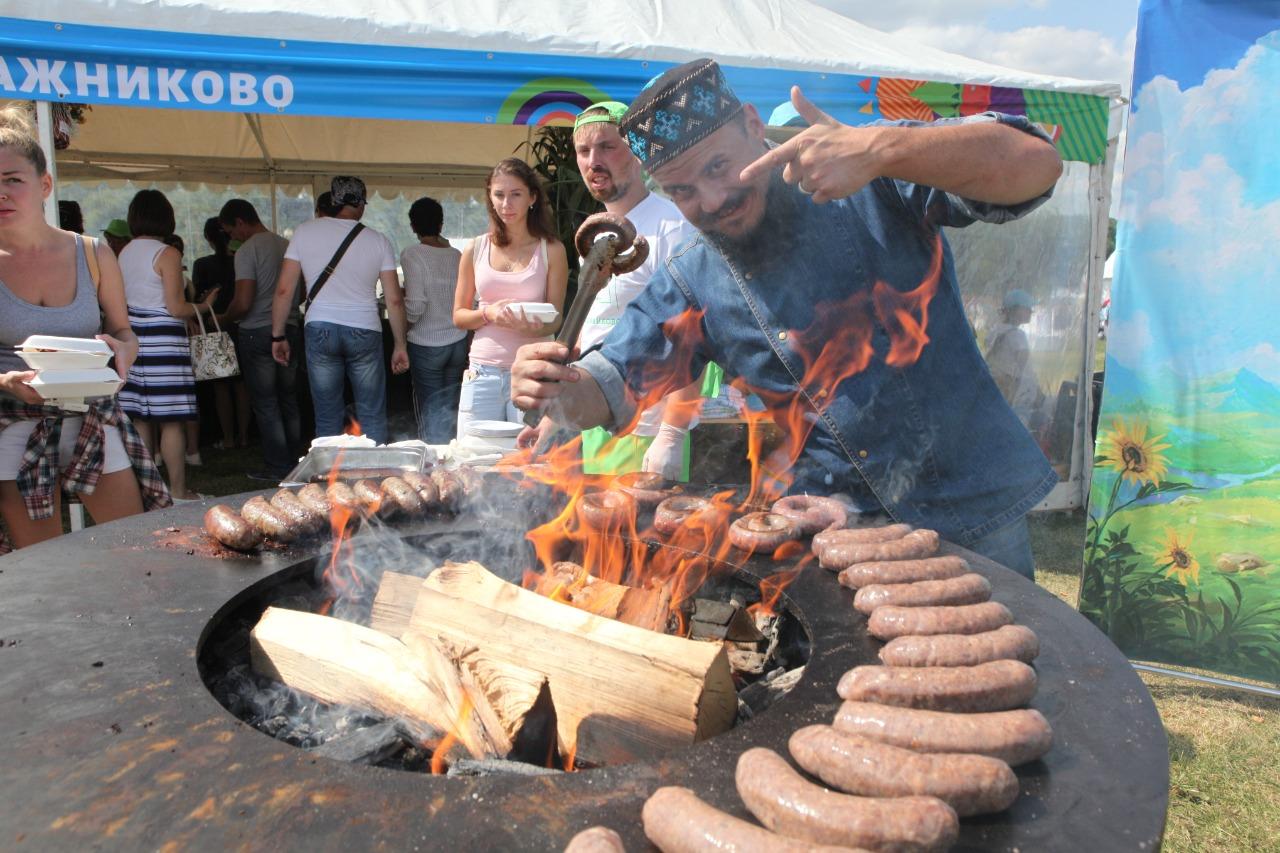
[
  {"x": 344, "y": 663},
  {"x": 621, "y": 693}
]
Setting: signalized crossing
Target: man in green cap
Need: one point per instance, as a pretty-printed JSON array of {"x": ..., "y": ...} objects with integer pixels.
[
  {"x": 117, "y": 235},
  {"x": 659, "y": 441}
]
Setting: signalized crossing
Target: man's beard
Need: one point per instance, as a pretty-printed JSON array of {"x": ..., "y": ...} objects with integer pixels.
[
  {"x": 775, "y": 228},
  {"x": 610, "y": 192}
]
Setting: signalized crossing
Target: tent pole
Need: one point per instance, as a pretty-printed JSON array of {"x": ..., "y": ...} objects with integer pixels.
[
  {"x": 44, "y": 129},
  {"x": 273, "y": 202}
]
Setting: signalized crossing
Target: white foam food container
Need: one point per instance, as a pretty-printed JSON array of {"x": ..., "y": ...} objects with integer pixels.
[
  {"x": 49, "y": 352},
  {"x": 73, "y": 385},
  {"x": 543, "y": 312}
]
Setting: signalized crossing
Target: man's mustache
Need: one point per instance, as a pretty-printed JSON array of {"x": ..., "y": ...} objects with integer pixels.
[{"x": 731, "y": 204}]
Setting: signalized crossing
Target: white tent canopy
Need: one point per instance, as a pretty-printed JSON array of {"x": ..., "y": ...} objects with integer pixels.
[
  {"x": 431, "y": 93},
  {"x": 201, "y": 144}
]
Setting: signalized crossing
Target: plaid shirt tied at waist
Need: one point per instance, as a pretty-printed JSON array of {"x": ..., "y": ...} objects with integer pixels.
[{"x": 38, "y": 473}]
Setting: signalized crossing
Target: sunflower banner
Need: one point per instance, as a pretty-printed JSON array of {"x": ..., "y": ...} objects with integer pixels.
[{"x": 1184, "y": 526}]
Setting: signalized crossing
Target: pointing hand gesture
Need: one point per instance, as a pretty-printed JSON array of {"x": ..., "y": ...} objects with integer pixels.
[{"x": 828, "y": 160}]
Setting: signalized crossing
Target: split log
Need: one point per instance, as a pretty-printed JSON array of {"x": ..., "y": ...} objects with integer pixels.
[
  {"x": 572, "y": 584},
  {"x": 515, "y": 693},
  {"x": 621, "y": 693},
  {"x": 344, "y": 663}
]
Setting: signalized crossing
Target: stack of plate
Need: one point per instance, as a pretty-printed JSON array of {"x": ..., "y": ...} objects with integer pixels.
[
  {"x": 491, "y": 435},
  {"x": 69, "y": 370}
]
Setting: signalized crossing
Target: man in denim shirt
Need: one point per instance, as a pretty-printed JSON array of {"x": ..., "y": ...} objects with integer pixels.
[{"x": 816, "y": 243}]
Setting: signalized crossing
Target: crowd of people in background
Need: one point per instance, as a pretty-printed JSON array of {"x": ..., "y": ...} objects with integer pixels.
[{"x": 307, "y": 314}]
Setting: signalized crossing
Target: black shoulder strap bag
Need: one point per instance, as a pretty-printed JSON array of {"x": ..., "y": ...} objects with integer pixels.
[{"x": 333, "y": 264}]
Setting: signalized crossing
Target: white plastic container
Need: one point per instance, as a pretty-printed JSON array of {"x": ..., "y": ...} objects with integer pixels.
[
  {"x": 543, "y": 312},
  {"x": 48, "y": 352},
  {"x": 76, "y": 386}
]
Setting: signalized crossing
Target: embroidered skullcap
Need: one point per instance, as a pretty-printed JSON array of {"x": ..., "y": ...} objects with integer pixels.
[
  {"x": 677, "y": 110},
  {"x": 347, "y": 190},
  {"x": 601, "y": 111}
]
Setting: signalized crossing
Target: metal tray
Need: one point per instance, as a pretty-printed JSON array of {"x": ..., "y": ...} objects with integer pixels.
[{"x": 354, "y": 463}]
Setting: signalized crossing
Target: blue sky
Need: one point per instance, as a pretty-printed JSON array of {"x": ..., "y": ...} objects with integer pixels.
[{"x": 1090, "y": 39}]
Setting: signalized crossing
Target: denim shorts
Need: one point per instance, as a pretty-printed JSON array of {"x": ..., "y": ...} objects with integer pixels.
[{"x": 485, "y": 396}]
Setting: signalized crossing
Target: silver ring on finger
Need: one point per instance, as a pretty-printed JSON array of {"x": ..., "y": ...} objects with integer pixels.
[{"x": 800, "y": 186}]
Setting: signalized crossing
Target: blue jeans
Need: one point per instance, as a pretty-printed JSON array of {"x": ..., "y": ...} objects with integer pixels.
[
  {"x": 335, "y": 351},
  {"x": 273, "y": 393},
  {"x": 1010, "y": 546},
  {"x": 437, "y": 379},
  {"x": 485, "y": 396}
]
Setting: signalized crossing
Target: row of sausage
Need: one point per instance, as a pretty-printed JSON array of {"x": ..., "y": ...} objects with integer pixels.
[
  {"x": 290, "y": 515},
  {"x": 927, "y": 737}
]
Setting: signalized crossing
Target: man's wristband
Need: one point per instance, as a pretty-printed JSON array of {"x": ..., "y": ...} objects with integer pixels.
[{"x": 275, "y": 339}]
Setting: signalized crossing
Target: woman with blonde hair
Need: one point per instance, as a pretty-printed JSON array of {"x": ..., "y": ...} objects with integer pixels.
[
  {"x": 54, "y": 282},
  {"x": 518, "y": 260}
]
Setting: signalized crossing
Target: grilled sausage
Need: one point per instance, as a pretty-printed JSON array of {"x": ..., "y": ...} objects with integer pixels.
[
  {"x": 790, "y": 805},
  {"x": 609, "y": 510},
  {"x": 676, "y": 821},
  {"x": 678, "y": 511},
  {"x": 812, "y": 514},
  {"x": 970, "y": 784},
  {"x": 913, "y": 546},
  {"x": 450, "y": 489},
  {"x": 398, "y": 491},
  {"x": 341, "y": 495},
  {"x": 995, "y": 686},
  {"x": 888, "y": 622},
  {"x": 597, "y": 839},
  {"x": 761, "y": 531},
  {"x": 314, "y": 498},
  {"x": 271, "y": 522},
  {"x": 298, "y": 512},
  {"x": 425, "y": 487},
  {"x": 903, "y": 571},
  {"x": 645, "y": 487},
  {"x": 1008, "y": 642},
  {"x": 372, "y": 502},
  {"x": 972, "y": 588},
  {"x": 850, "y": 535},
  {"x": 226, "y": 526},
  {"x": 1014, "y": 737}
]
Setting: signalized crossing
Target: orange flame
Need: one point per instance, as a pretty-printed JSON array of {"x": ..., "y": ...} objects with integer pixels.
[
  {"x": 906, "y": 315},
  {"x": 837, "y": 346},
  {"x": 438, "y": 757}
]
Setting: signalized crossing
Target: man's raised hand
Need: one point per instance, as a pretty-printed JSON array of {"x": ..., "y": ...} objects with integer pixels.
[{"x": 827, "y": 160}]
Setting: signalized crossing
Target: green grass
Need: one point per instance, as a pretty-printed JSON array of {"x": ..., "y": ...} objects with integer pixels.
[{"x": 1224, "y": 792}]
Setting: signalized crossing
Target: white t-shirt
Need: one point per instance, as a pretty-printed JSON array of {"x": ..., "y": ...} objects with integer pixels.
[
  {"x": 666, "y": 229},
  {"x": 349, "y": 297}
]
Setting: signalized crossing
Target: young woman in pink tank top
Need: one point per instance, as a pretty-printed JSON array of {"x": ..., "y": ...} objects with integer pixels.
[{"x": 518, "y": 260}]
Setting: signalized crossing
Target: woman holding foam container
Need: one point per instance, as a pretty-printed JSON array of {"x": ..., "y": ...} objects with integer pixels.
[
  {"x": 53, "y": 282},
  {"x": 518, "y": 261}
]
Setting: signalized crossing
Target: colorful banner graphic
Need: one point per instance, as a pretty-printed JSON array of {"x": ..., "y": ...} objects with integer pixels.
[
  {"x": 1183, "y": 550},
  {"x": 145, "y": 68}
]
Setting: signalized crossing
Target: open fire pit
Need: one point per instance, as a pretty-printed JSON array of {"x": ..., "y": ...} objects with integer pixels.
[{"x": 111, "y": 639}]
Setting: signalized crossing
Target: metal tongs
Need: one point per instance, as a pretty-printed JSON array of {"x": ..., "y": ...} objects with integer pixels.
[{"x": 603, "y": 242}]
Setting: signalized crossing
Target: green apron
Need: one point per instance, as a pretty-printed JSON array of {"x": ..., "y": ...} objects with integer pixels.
[{"x": 605, "y": 453}]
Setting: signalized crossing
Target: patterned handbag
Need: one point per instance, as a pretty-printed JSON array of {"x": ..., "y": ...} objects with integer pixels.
[{"x": 213, "y": 354}]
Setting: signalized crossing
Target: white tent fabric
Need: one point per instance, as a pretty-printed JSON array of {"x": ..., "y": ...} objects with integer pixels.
[{"x": 786, "y": 34}]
